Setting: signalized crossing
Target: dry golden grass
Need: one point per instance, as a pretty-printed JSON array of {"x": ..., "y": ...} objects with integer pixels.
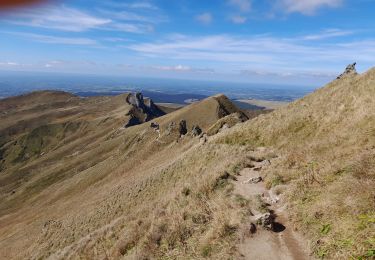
[
  {"x": 107, "y": 192},
  {"x": 326, "y": 144}
]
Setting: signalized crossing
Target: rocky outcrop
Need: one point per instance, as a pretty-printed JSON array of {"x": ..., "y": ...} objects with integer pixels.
[
  {"x": 132, "y": 121},
  {"x": 227, "y": 122},
  {"x": 350, "y": 70},
  {"x": 174, "y": 129},
  {"x": 196, "y": 131},
  {"x": 182, "y": 128},
  {"x": 142, "y": 110}
]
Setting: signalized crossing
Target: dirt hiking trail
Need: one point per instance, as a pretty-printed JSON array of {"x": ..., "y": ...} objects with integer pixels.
[{"x": 267, "y": 241}]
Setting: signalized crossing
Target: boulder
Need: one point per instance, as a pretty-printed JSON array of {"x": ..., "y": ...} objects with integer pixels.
[{"x": 266, "y": 221}]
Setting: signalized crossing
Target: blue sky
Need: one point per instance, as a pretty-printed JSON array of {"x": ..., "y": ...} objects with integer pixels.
[{"x": 275, "y": 41}]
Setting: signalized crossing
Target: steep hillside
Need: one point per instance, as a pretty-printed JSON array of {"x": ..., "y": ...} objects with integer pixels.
[
  {"x": 204, "y": 113},
  {"x": 152, "y": 191},
  {"x": 326, "y": 148},
  {"x": 101, "y": 190}
]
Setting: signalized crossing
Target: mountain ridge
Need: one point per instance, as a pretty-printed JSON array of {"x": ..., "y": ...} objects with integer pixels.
[
  {"x": 146, "y": 193},
  {"x": 326, "y": 146}
]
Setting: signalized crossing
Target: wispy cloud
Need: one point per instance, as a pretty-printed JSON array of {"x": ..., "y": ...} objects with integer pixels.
[
  {"x": 9, "y": 64},
  {"x": 242, "y": 5},
  {"x": 279, "y": 73},
  {"x": 307, "y": 7},
  {"x": 181, "y": 68},
  {"x": 73, "y": 20},
  {"x": 135, "y": 5},
  {"x": 126, "y": 15},
  {"x": 204, "y": 18},
  {"x": 130, "y": 28},
  {"x": 329, "y": 33},
  {"x": 261, "y": 51},
  {"x": 60, "y": 18},
  {"x": 55, "y": 40},
  {"x": 238, "y": 19}
]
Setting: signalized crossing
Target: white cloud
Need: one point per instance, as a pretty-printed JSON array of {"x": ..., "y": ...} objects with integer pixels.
[
  {"x": 238, "y": 19},
  {"x": 129, "y": 27},
  {"x": 242, "y": 5},
  {"x": 143, "y": 5},
  {"x": 124, "y": 15},
  {"x": 56, "y": 40},
  {"x": 330, "y": 33},
  {"x": 280, "y": 73},
  {"x": 53, "y": 63},
  {"x": 134, "y": 5},
  {"x": 261, "y": 51},
  {"x": 73, "y": 20},
  {"x": 307, "y": 7},
  {"x": 205, "y": 18},
  {"x": 181, "y": 68},
  {"x": 60, "y": 18},
  {"x": 173, "y": 68},
  {"x": 9, "y": 64}
]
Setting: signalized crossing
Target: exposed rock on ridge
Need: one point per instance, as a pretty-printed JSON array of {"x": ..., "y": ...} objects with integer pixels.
[
  {"x": 142, "y": 110},
  {"x": 350, "y": 70}
]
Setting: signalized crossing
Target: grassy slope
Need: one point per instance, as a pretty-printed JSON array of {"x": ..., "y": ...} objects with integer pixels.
[
  {"x": 124, "y": 193},
  {"x": 114, "y": 192},
  {"x": 327, "y": 146}
]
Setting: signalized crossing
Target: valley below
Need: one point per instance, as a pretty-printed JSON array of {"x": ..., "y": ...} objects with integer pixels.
[{"x": 129, "y": 177}]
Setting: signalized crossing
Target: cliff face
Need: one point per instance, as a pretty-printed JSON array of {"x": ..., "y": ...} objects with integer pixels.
[{"x": 142, "y": 110}]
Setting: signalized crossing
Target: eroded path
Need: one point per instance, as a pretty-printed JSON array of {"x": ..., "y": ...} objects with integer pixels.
[{"x": 280, "y": 241}]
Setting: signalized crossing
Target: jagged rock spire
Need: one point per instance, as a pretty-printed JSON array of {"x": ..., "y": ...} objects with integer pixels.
[{"x": 350, "y": 70}]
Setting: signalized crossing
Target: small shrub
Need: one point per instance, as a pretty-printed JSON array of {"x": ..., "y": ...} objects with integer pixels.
[
  {"x": 124, "y": 245},
  {"x": 186, "y": 191},
  {"x": 206, "y": 251},
  {"x": 274, "y": 181},
  {"x": 325, "y": 229},
  {"x": 227, "y": 230},
  {"x": 222, "y": 180},
  {"x": 261, "y": 205},
  {"x": 241, "y": 201},
  {"x": 322, "y": 252}
]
